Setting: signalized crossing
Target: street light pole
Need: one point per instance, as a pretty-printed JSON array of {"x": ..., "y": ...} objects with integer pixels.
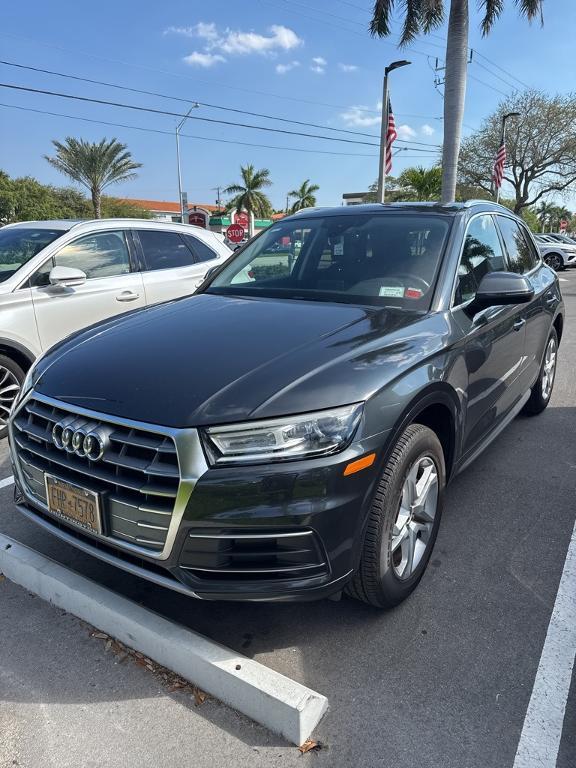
[
  {"x": 502, "y": 140},
  {"x": 178, "y": 127},
  {"x": 384, "y": 128}
]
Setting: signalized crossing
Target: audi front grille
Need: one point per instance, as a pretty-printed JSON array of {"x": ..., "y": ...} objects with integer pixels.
[{"x": 137, "y": 475}]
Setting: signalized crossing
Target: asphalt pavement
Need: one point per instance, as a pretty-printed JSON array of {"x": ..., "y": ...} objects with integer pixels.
[{"x": 443, "y": 681}]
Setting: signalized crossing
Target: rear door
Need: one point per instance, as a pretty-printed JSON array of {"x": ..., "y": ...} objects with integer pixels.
[
  {"x": 111, "y": 288},
  {"x": 524, "y": 259},
  {"x": 494, "y": 338},
  {"x": 171, "y": 267}
]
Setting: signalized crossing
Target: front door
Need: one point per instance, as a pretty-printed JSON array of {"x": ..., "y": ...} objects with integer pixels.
[
  {"x": 494, "y": 338},
  {"x": 111, "y": 288}
]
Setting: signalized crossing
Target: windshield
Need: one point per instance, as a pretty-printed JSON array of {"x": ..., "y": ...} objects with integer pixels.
[
  {"x": 383, "y": 259},
  {"x": 17, "y": 246}
]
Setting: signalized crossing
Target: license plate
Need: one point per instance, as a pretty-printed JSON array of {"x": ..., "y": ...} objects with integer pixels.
[{"x": 74, "y": 504}]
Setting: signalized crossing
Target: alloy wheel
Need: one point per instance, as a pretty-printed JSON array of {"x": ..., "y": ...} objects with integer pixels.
[
  {"x": 9, "y": 388},
  {"x": 554, "y": 261},
  {"x": 549, "y": 369},
  {"x": 415, "y": 520}
]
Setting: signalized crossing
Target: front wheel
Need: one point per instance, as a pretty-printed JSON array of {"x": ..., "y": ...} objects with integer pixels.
[
  {"x": 11, "y": 378},
  {"x": 542, "y": 389},
  {"x": 554, "y": 261},
  {"x": 403, "y": 520}
]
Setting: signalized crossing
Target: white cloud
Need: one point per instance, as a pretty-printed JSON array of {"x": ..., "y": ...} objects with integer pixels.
[
  {"x": 197, "y": 59},
  {"x": 347, "y": 67},
  {"x": 360, "y": 117},
  {"x": 427, "y": 130},
  {"x": 405, "y": 132},
  {"x": 281, "y": 69},
  {"x": 184, "y": 31},
  {"x": 318, "y": 65}
]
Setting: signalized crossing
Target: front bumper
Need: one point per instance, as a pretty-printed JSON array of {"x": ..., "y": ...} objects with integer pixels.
[{"x": 280, "y": 532}]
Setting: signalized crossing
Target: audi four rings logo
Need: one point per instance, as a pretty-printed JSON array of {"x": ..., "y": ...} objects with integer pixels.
[{"x": 85, "y": 442}]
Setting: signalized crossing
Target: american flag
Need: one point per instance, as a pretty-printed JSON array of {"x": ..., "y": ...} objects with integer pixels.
[
  {"x": 498, "y": 172},
  {"x": 391, "y": 137}
]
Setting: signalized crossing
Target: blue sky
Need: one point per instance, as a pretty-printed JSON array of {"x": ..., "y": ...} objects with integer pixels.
[{"x": 306, "y": 60}]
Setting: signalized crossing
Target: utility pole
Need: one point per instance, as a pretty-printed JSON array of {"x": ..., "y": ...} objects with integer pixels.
[
  {"x": 384, "y": 128},
  {"x": 178, "y": 127}
]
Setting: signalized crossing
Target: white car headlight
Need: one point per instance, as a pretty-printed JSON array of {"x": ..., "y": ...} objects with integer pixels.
[{"x": 291, "y": 437}]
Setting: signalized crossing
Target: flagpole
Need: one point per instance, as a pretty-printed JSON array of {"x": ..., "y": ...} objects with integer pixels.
[
  {"x": 384, "y": 129},
  {"x": 502, "y": 141}
]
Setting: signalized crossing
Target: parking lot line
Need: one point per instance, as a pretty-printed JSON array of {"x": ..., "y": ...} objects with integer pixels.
[
  {"x": 268, "y": 697},
  {"x": 542, "y": 730},
  {"x": 7, "y": 481}
]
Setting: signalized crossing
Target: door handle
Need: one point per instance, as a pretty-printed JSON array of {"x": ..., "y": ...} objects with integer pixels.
[
  {"x": 127, "y": 296},
  {"x": 519, "y": 324}
]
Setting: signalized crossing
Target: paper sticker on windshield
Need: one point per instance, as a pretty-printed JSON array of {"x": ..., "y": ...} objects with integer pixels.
[
  {"x": 392, "y": 291},
  {"x": 413, "y": 293},
  {"x": 338, "y": 249}
]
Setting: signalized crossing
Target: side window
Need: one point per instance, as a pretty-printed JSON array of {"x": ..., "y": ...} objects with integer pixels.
[
  {"x": 103, "y": 254},
  {"x": 521, "y": 256},
  {"x": 200, "y": 250},
  {"x": 164, "y": 250},
  {"x": 482, "y": 253},
  {"x": 41, "y": 277}
]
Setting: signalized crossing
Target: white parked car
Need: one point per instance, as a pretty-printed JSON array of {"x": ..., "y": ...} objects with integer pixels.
[
  {"x": 557, "y": 254},
  {"x": 57, "y": 277}
]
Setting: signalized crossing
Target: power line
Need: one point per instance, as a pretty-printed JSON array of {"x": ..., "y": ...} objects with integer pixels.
[
  {"x": 185, "y": 101},
  {"x": 202, "y": 138},
  {"x": 151, "y": 110},
  {"x": 167, "y": 73}
]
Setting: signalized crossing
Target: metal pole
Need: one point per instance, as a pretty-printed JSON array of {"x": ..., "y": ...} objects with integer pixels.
[
  {"x": 383, "y": 133},
  {"x": 503, "y": 136},
  {"x": 179, "y": 173}
]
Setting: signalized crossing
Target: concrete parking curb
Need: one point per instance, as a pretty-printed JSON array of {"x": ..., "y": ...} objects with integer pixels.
[{"x": 271, "y": 699}]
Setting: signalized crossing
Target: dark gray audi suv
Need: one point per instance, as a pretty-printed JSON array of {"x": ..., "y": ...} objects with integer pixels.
[{"x": 288, "y": 432}]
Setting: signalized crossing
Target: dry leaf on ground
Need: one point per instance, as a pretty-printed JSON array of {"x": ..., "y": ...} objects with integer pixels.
[{"x": 309, "y": 746}]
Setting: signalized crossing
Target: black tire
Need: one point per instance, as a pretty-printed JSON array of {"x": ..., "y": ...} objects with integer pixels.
[
  {"x": 554, "y": 261},
  {"x": 376, "y": 581},
  {"x": 10, "y": 375},
  {"x": 539, "y": 399}
]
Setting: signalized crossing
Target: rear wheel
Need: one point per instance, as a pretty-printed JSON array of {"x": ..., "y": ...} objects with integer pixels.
[
  {"x": 11, "y": 379},
  {"x": 542, "y": 389},
  {"x": 403, "y": 520},
  {"x": 555, "y": 261}
]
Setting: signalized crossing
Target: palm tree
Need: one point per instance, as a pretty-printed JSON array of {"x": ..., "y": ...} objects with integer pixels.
[
  {"x": 95, "y": 166},
  {"x": 248, "y": 195},
  {"x": 421, "y": 16},
  {"x": 304, "y": 195},
  {"x": 421, "y": 183}
]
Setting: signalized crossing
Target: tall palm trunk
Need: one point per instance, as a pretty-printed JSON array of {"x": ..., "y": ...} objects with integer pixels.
[
  {"x": 454, "y": 95},
  {"x": 96, "y": 201}
]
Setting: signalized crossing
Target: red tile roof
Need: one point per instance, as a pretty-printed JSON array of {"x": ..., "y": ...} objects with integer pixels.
[{"x": 167, "y": 206}]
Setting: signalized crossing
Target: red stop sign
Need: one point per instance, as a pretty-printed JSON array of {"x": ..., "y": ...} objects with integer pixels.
[
  {"x": 235, "y": 233},
  {"x": 242, "y": 219}
]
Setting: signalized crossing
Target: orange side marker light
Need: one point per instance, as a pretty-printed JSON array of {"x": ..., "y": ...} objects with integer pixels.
[{"x": 359, "y": 464}]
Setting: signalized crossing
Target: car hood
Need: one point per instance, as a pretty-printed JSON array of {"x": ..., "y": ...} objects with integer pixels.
[{"x": 212, "y": 359}]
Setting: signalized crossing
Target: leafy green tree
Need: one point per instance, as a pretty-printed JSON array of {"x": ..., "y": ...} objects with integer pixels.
[
  {"x": 422, "y": 16},
  {"x": 95, "y": 166},
  {"x": 115, "y": 208},
  {"x": 305, "y": 197},
  {"x": 421, "y": 183}
]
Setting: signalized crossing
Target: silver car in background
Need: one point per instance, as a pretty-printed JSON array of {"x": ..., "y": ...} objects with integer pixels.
[
  {"x": 57, "y": 277},
  {"x": 558, "y": 254}
]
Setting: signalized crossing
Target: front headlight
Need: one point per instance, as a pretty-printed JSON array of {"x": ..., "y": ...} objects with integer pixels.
[
  {"x": 291, "y": 437},
  {"x": 25, "y": 388}
]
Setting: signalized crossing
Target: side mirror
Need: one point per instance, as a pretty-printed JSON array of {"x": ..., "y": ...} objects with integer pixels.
[
  {"x": 67, "y": 277},
  {"x": 501, "y": 288}
]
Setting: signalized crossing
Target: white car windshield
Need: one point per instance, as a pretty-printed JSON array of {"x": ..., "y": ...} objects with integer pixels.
[{"x": 383, "y": 259}]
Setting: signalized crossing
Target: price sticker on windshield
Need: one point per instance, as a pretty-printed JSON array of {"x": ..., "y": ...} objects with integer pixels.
[{"x": 392, "y": 291}]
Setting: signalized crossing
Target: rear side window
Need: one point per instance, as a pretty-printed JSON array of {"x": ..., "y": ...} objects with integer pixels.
[
  {"x": 521, "y": 256},
  {"x": 200, "y": 250},
  {"x": 164, "y": 250},
  {"x": 103, "y": 254},
  {"x": 482, "y": 253}
]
